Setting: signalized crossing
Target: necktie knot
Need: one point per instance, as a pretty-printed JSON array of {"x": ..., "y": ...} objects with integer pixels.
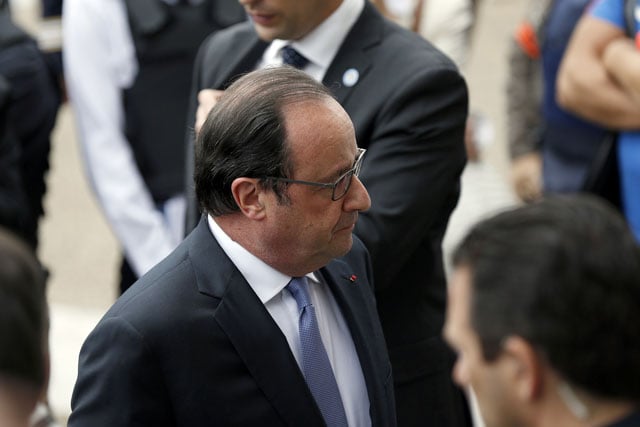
[
  {"x": 298, "y": 289},
  {"x": 292, "y": 57}
]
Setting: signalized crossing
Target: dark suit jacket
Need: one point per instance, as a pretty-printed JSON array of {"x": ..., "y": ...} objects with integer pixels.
[
  {"x": 409, "y": 108},
  {"x": 190, "y": 344},
  {"x": 31, "y": 116}
]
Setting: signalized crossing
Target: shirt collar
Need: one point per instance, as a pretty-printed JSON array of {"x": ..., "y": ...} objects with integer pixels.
[
  {"x": 321, "y": 45},
  {"x": 266, "y": 281}
]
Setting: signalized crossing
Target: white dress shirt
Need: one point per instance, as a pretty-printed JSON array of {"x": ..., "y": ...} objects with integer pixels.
[
  {"x": 100, "y": 62},
  {"x": 320, "y": 45},
  {"x": 269, "y": 285}
]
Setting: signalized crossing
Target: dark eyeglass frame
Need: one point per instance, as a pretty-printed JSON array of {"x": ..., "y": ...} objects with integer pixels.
[{"x": 348, "y": 175}]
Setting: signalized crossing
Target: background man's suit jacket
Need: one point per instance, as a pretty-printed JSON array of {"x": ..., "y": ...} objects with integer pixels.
[
  {"x": 192, "y": 345},
  {"x": 409, "y": 108}
]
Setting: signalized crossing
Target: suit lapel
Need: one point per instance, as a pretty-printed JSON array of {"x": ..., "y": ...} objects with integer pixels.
[
  {"x": 265, "y": 352},
  {"x": 244, "y": 60},
  {"x": 366, "y": 33},
  {"x": 349, "y": 297},
  {"x": 245, "y": 63},
  {"x": 253, "y": 333}
]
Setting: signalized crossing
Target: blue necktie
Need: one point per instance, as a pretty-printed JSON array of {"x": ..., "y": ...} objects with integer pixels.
[
  {"x": 292, "y": 57},
  {"x": 315, "y": 362}
]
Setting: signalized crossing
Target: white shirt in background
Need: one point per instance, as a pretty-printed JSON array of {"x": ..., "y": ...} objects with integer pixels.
[{"x": 100, "y": 62}]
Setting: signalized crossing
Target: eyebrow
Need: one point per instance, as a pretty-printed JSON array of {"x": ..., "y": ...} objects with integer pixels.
[
  {"x": 335, "y": 175},
  {"x": 348, "y": 168}
]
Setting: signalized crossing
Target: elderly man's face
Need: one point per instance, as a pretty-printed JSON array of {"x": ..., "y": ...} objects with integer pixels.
[
  {"x": 471, "y": 370},
  {"x": 287, "y": 19},
  {"x": 312, "y": 228}
]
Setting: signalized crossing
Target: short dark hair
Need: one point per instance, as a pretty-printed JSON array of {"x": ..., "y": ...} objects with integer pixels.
[
  {"x": 23, "y": 314},
  {"x": 564, "y": 274},
  {"x": 244, "y": 135}
]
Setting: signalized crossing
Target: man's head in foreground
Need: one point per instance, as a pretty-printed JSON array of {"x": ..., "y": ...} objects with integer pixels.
[{"x": 544, "y": 312}]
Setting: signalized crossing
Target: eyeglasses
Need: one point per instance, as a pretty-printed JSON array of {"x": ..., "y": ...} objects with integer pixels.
[{"x": 342, "y": 184}]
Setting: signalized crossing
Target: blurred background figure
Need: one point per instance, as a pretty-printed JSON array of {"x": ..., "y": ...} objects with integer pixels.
[
  {"x": 552, "y": 150},
  {"x": 49, "y": 38},
  {"x": 598, "y": 80},
  {"x": 13, "y": 203},
  {"x": 445, "y": 23},
  {"x": 546, "y": 329},
  {"x": 128, "y": 68},
  {"x": 31, "y": 114},
  {"x": 27, "y": 115},
  {"x": 24, "y": 360}
]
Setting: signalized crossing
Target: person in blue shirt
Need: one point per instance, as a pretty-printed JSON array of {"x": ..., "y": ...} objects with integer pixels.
[
  {"x": 597, "y": 82},
  {"x": 551, "y": 149}
]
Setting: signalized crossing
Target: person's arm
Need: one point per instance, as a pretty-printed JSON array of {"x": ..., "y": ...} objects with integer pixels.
[
  {"x": 622, "y": 60},
  {"x": 412, "y": 168},
  {"x": 119, "y": 380},
  {"x": 584, "y": 85},
  {"x": 13, "y": 206},
  {"x": 524, "y": 119},
  {"x": 94, "y": 65}
]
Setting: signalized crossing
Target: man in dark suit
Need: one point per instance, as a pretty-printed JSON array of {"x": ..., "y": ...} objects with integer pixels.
[
  {"x": 408, "y": 104},
  {"x": 210, "y": 335}
]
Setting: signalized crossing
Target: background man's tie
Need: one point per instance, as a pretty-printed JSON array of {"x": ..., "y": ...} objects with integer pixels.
[
  {"x": 292, "y": 57},
  {"x": 315, "y": 362}
]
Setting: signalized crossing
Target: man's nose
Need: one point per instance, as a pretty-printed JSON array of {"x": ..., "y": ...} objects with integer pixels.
[{"x": 357, "y": 198}]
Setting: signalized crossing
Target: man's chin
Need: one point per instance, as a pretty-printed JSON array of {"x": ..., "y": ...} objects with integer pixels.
[
  {"x": 266, "y": 34},
  {"x": 344, "y": 244}
]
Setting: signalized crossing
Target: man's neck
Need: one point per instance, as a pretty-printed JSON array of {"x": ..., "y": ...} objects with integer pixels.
[
  {"x": 16, "y": 404},
  {"x": 599, "y": 412}
]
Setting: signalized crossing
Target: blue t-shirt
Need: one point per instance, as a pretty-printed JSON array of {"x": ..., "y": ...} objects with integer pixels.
[
  {"x": 609, "y": 10},
  {"x": 612, "y": 11}
]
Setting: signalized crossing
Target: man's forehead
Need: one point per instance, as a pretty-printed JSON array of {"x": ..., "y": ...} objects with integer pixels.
[
  {"x": 314, "y": 116},
  {"x": 460, "y": 296},
  {"x": 461, "y": 284}
]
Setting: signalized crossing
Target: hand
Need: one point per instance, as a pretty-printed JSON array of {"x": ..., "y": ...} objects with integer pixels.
[
  {"x": 526, "y": 176},
  {"x": 207, "y": 99}
]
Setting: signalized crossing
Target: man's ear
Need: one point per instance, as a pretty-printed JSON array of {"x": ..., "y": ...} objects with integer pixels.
[
  {"x": 247, "y": 194},
  {"x": 525, "y": 369}
]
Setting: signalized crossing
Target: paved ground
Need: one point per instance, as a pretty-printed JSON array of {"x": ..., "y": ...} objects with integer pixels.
[{"x": 81, "y": 252}]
